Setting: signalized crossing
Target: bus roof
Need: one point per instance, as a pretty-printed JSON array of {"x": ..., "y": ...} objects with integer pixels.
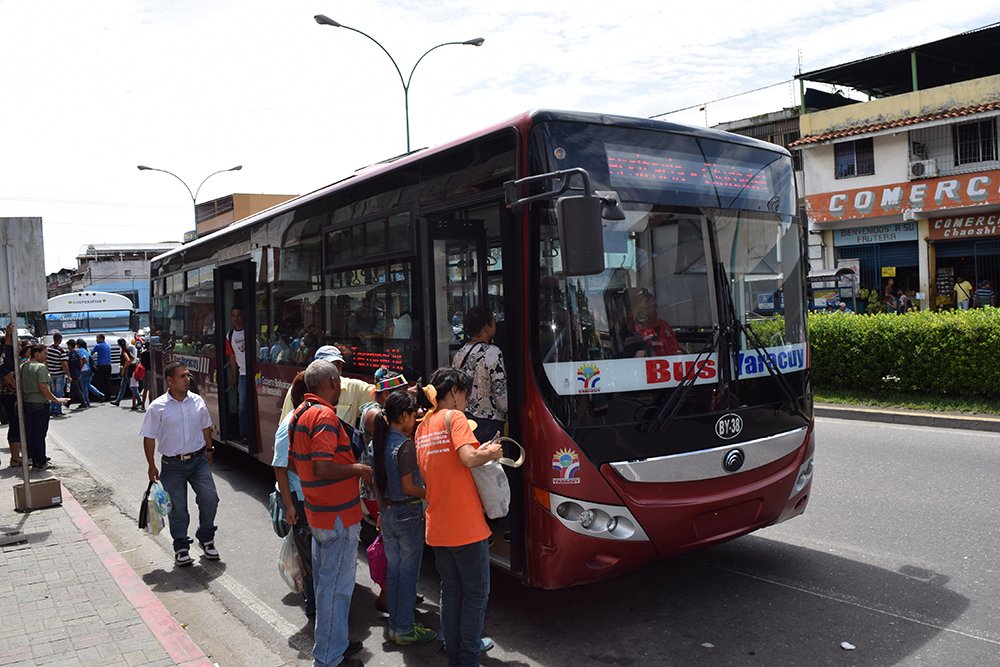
[
  {"x": 525, "y": 119},
  {"x": 88, "y": 301}
]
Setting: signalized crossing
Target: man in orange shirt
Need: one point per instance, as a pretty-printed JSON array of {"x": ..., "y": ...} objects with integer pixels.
[
  {"x": 322, "y": 457},
  {"x": 456, "y": 528}
]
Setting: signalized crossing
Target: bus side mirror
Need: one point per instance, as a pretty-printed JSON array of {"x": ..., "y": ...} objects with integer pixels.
[
  {"x": 133, "y": 322},
  {"x": 581, "y": 235}
]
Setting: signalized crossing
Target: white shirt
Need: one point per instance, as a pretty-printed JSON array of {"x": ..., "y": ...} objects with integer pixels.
[
  {"x": 177, "y": 426},
  {"x": 238, "y": 340}
]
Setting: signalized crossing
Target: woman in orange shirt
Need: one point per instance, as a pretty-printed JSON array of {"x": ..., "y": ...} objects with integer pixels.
[{"x": 456, "y": 527}]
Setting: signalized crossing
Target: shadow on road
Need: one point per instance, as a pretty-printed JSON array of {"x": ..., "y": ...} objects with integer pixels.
[{"x": 751, "y": 601}]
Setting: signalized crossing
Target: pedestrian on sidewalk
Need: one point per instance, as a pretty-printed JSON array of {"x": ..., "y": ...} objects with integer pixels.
[
  {"x": 58, "y": 366},
  {"x": 456, "y": 529},
  {"x": 179, "y": 426},
  {"x": 325, "y": 463},
  {"x": 73, "y": 361},
  {"x": 125, "y": 367},
  {"x": 87, "y": 387},
  {"x": 38, "y": 398},
  {"x": 8, "y": 395},
  {"x": 963, "y": 292},
  {"x": 102, "y": 367},
  {"x": 290, "y": 488}
]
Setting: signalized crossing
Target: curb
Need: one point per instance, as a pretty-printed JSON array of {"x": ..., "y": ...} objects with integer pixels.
[
  {"x": 175, "y": 641},
  {"x": 908, "y": 417}
]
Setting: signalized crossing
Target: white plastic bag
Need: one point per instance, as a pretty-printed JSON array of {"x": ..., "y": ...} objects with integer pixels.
[
  {"x": 491, "y": 482},
  {"x": 156, "y": 508},
  {"x": 289, "y": 565}
]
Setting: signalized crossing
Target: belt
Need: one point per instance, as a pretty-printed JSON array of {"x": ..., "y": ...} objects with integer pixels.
[
  {"x": 401, "y": 503},
  {"x": 185, "y": 457}
]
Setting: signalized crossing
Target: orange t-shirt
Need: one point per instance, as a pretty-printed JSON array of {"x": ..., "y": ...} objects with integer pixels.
[{"x": 454, "y": 512}]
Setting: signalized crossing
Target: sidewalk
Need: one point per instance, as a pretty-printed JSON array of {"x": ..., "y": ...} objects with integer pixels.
[
  {"x": 909, "y": 417},
  {"x": 69, "y": 597}
]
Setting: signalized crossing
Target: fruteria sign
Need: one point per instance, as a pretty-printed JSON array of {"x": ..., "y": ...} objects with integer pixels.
[{"x": 932, "y": 194}]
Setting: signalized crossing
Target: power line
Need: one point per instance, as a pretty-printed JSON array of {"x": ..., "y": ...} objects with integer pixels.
[
  {"x": 727, "y": 97},
  {"x": 85, "y": 202}
]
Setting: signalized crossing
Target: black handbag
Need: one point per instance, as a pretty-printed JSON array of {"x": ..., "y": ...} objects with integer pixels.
[{"x": 144, "y": 507}]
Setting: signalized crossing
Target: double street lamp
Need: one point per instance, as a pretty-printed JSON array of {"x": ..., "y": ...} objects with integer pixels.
[
  {"x": 478, "y": 41},
  {"x": 194, "y": 195}
]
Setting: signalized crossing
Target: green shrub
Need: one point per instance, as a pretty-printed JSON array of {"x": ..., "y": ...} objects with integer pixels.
[{"x": 955, "y": 352}]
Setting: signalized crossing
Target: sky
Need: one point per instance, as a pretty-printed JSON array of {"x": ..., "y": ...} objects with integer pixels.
[{"x": 89, "y": 90}]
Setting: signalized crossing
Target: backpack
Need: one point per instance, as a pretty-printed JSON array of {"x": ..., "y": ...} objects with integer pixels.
[{"x": 139, "y": 372}]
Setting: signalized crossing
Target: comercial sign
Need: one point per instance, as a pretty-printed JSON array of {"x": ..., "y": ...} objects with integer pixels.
[
  {"x": 964, "y": 227},
  {"x": 932, "y": 194},
  {"x": 897, "y": 231}
]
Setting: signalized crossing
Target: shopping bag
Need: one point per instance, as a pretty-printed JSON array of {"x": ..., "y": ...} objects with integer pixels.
[
  {"x": 276, "y": 506},
  {"x": 155, "y": 508},
  {"x": 289, "y": 565},
  {"x": 491, "y": 482},
  {"x": 377, "y": 563}
]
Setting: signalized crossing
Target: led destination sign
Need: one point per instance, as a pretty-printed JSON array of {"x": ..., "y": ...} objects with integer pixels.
[{"x": 632, "y": 167}]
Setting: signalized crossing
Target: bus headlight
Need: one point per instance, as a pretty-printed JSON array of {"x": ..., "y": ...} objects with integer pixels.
[
  {"x": 805, "y": 475},
  {"x": 609, "y": 522}
]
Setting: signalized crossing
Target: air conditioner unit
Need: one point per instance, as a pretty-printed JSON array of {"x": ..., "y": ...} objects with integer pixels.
[{"x": 923, "y": 169}]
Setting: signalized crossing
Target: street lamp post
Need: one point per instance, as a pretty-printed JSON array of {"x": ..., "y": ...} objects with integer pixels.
[
  {"x": 478, "y": 41},
  {"x": 194, "y": 195}
]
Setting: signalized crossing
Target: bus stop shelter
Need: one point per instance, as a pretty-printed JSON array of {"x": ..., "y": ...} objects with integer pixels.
[{"x": 826, "y": 285}]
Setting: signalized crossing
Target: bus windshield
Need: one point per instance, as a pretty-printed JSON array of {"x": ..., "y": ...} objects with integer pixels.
[
  {"x": 88, "y": 321},
  {"x": 686, "y": 263}
]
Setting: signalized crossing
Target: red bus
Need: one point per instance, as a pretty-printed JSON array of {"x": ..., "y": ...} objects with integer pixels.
[{"x": 649, "y": 285}]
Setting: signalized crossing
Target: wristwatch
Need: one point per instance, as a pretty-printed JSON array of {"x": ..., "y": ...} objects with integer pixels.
[{"x": 210, "y": 450}]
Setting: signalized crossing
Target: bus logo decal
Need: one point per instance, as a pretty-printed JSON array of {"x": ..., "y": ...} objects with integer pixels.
[
  {"x": 733, "y": 460},
  {"x": 729, "y": 426},
  {"x": 566, "y": 467},
  {"x": 589, "y": 375}
]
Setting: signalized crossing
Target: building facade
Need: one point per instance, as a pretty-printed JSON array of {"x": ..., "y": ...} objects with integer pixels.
[
  {"x": 117, "y": 267},
  {"x": 906, "y": 186},
  {"x": 213, "y": 215}
]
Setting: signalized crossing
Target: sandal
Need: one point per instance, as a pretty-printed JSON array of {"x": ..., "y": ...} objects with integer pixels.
[{"x": 15, "y": 464}]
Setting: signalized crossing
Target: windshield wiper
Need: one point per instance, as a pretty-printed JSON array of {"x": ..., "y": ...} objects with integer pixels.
[
  {"x": 676, "y": 400},
  {"x": 758, "y": 346}
]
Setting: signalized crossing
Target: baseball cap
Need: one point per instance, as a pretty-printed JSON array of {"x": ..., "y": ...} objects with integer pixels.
[{"x": 329, "y": 353}]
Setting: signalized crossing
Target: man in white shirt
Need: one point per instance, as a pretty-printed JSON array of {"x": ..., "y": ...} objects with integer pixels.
[
  {"x": 179, "y": 425},
  {"x": 236, "y": 349}
]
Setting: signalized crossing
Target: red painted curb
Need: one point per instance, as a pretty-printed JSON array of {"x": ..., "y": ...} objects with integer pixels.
[{"x": 177, "y": 643}]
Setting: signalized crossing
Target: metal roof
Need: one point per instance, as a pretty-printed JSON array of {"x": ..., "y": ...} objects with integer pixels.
[{"x": 968, "y": 55}]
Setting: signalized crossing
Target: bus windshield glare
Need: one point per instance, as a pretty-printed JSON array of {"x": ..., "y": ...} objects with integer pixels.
[{"x": 709, "y": 238}]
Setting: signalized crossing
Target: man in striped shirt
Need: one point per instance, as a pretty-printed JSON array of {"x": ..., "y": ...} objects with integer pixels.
[
  {"x": 58, "y": 367},
  {"x": 985, "y": 296},
  {"x": 321, "y": 456}
]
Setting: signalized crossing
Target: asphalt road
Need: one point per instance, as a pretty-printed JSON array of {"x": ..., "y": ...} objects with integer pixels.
[{"x": 896, "y": 555}]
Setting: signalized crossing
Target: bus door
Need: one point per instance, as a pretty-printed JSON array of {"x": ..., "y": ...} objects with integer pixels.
[
  {"x": 456, "y": 279},
  {"x": 234, "y": 289}
]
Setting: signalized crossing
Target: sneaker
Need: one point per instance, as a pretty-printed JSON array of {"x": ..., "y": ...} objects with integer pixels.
[
  {"x": 418, "y": 635},
  {"x": 211, "y": 553},
  {"x": 486, "y": 644},
  {"x": 42, "y": 466},
  {"x": 182, "y": 558}
]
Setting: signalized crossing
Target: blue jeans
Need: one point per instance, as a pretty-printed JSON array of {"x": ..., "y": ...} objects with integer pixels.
[
  {"x": 36, "y": 426},
  {"x": 87, "y": 388},
  {"x": 175, "y": 475},
  {"x": 334, "y": 561},
  {"x": 465, "y": 589},
  {"x": 58, "y": 390},
  {"x": 403, "y": 535},
  {"x": 122, "y": 388},
  {"x": 243, "y": 389}
]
